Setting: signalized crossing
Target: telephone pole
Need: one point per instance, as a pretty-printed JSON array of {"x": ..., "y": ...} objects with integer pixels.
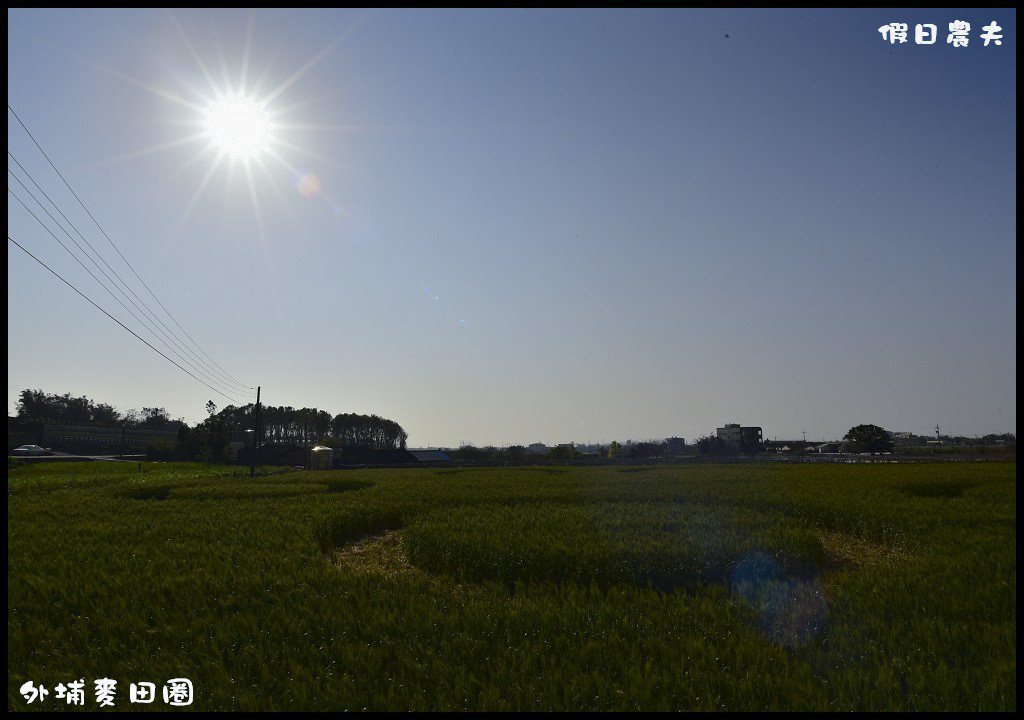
[{"x": 255, "y": 433}]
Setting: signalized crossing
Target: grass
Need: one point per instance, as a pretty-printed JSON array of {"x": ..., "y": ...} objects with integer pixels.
[{"x": 873, "y": 587}]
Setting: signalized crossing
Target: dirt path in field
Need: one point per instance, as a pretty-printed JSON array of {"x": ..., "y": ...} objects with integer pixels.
[
  {"x": 848, "y": 552},
  {"x": 381, "y": 554}
]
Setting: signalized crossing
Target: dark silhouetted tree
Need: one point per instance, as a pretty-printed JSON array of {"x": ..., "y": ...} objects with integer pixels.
[
  {"x": 713, "y": 445},
  {"x": 155, "y": 418},
  {"x": 869, "y": 438}
]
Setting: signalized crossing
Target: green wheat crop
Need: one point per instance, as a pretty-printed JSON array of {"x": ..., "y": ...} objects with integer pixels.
[{"x": 733, "y": 587}]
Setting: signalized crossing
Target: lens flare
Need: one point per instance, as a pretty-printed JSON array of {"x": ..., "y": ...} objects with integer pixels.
[
  {"x": 308, "y": 185},
  {"x": 792, "y": 609}
]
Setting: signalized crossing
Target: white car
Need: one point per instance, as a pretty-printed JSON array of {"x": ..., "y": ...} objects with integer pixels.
[{"x": 29, "y": 450}]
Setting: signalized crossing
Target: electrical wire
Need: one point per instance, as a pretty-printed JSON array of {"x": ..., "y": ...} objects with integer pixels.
[
  {"x": 55, "y": 274},
  {"x": 96, "y": 222},
  {"x": 144, "y": 309},
  {"x": 127, "y": 309}
]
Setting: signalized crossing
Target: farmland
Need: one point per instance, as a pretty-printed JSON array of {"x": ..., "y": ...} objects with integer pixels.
[{"x": 713, "y": 587}]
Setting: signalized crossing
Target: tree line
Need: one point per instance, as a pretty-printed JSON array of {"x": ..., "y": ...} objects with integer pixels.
[
  {"x": 630, "y": 450},
  {"x": 39, "y": 406},
  {"x": 309, "y": 426},
  {"x": 208, "y": 440}
]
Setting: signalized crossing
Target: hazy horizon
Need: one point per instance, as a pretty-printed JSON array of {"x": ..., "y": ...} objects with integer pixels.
[{"x": 502, "y": 227}]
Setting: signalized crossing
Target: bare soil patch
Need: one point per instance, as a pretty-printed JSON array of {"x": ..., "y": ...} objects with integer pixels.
[
  {"x": 380, "y": 554},
  {"x": 848, "y": 552}
]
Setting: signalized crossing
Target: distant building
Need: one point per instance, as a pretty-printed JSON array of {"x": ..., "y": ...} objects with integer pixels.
[
  {"x": 675, "y": 445},
  {"x": 321, "y": 458},
  {"x": 429, "y": 456},
  {"x": 288, "y": 454},
  {"x": 352, "y": 455},
  {"x": 537, "y": 449},
  {"x": 740, "y": 439},
  {"x": 90, "y": 438},
  {"x": 796, "y": 446}
]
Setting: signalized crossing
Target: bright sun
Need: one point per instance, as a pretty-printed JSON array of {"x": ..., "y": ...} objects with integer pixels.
[
  {"x": 241, "y": 122},
  {"x": 237, "y": 126}
]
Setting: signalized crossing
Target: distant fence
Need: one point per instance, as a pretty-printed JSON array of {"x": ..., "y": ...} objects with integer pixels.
[
  {"x": 895, "y": 459},
  {"x": 708, "y": 460},
  {"x": 93, "y": 438}
]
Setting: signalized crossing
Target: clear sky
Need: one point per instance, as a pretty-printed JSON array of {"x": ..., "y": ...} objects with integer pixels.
[{"x": 516, "y": 226}]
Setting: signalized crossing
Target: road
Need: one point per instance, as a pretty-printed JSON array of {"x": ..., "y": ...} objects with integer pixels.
[{"x": 68, "y": 457}]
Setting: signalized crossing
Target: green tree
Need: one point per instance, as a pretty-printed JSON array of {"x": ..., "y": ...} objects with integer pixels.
[
  {"x": 564, "y": 452},
  {"x": 155, "y": 418},
  {"x": 614, "y": 449},
  {"x": 215, "y": 432},
  {"x": 33, "y": 405},
  {"x": 650, "y": 448},
  {"x": 37, "y": 405},
  {"x": 869, "y": 438},
  {"x": 194, "y": 444},
  {"x": 468, "y": 452},
  {"x": 106, "y": 414},
  {"x": 713, "y": 445}
]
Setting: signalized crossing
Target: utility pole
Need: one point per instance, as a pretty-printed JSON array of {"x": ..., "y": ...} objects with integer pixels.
[{"x": 255, "y": 433}]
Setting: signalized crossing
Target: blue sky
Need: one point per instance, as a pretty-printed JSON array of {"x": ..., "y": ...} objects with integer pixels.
[{"x": 512, "y": 226}]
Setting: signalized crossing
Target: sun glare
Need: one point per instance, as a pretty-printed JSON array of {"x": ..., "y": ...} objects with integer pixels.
[
  {"x": 238, "y": 126},
  {"x": 238, "y": 120}
]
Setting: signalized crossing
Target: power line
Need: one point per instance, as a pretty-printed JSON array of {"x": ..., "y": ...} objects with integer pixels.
[
  {"x": 55, "y": 274},
  {"x": 68, "y": 250},
  {"x": 144, "y": 309},
  {"x": 127, "y": 309},
  {"x": 96, "y": 222}
]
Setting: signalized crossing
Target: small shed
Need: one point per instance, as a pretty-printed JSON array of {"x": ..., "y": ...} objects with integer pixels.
[
  {"x": 321, "y": 458},
  {"x": 430, "y": 456}
]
